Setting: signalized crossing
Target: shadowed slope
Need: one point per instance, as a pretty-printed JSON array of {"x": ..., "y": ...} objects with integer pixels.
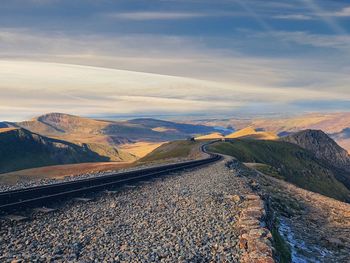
[{"x": 21, "y": 149}]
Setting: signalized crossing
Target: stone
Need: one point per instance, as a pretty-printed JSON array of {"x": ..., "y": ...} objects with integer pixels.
[{"x": 236, "y": 198}]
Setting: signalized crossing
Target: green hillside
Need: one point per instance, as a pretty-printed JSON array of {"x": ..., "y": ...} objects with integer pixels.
[{"x": 292, "y": 163}]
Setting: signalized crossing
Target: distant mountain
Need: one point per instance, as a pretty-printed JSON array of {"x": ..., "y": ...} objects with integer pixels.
[
  {"x": 322, "y": 146},
  {"x": 210, "y": 136},
  {"x": 252, "y": 133},
  {"x": 160, "y": 125},
  {"x": 334, "y": 124},
  {"x": 78, "y": 129},
  {"x": 292, "y": 163},
  {"x": 104, "y": 138},
  {"x": 22, "y": 149},
  {"x": 343, "y": 138},
  {"x": 4, "y": 125}
]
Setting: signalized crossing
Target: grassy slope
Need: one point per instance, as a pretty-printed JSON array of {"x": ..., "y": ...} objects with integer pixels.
[
  {"x": 175, "y": 149},
  {"x": 59, "y": 171},
  {"x": 293, "y": 163}
]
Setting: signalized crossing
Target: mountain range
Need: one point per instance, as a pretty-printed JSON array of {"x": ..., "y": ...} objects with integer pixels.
[
  {"x": 308, "y": 158},
  {"x": 336, "y": 125},
  {"x": 58, "y": 138},
  {"x": 78, "y": 129}
]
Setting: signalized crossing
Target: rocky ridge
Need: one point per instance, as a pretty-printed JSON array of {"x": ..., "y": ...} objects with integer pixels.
[{"x": 322, "y": 146}]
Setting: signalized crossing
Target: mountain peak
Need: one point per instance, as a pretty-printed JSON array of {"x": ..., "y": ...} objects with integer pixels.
[
  {"x": 55, "y": 115},
  {"x": 324, "y": 147}
]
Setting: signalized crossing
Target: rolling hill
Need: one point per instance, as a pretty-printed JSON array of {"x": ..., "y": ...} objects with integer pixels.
[
  {"x": 289, "y": 162},
  {"x": 22, "y": 149},
  {"x": 336, "y": 125},
  {"x": 108, "y": 138},
  {"x": 252, "y": 133},
  {"x": 84, "y": 130},
  {"x": 172, "y": 127},
  {"x": 210, "y": 136}
]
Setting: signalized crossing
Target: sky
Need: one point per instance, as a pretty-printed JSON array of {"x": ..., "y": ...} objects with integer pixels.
[{"x": 173, "y": 57}]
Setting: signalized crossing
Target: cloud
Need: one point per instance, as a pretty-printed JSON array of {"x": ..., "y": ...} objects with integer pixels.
[
  {"x": 162, "y": 54},
  {"x": 33, "y": 87},
  {"x": 341, "y": 42},
  {"x": 294, "y": 17},
  {"x": 140, "y": 16},
  {"x": 317, "y": 13},
  {"x": 146, "y": 53},
  {"x": 164, "y": 15},
  {"x": 345, "y": 12},
  {"x": 326, "y": 17}
]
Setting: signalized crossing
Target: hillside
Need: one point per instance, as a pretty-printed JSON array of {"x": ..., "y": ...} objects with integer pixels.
[
  {"x": 288, "y": 161},
  {"x": 21, "y": 149},
  {"x": 168, "y": 126},
  {"x": 252, "y": 133},
  {"x": 174, "y": 150}
]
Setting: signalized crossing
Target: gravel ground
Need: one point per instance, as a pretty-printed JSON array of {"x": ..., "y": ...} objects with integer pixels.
[
  {"x": 36, "y": 182},
  {"x": 185, "y": 217}
]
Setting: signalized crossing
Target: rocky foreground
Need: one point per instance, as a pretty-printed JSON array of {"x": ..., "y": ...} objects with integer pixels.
[
  {"x": 187, "y": 217},
  {"x": 315, "y": 227},
  {"x": 27, "y": 183}
]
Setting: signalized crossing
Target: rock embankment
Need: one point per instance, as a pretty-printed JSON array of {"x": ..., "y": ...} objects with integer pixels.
[
  {"x": 314, "y": 227},
  {"x": 194, "y": 216},
  {"x": 255, "y": 240}
]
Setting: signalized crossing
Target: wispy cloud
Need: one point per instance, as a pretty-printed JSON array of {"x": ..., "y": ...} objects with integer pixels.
[
  {"x": 43, "y": 87},
  {"x": 345, "y": 12},
  {"x": 234, "y": 50},
  {"x": 341, "y": 42},
  {"x": 294, "y": 17},
  {"x": 315, "y": 13},
  {"x": 154, "y": 15},
  {"x": 164, "y": 15}
]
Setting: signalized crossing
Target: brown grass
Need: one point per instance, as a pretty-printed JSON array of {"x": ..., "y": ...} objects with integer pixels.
[
  {"x": 140, "y": 149},
  {"x": 211, "y": 136},
  {"x": 7, "y": 129},
  {"x": 251, "y": 133},
  {"x": 60, "y": 171},
  {"x": 163, "y": 129}
]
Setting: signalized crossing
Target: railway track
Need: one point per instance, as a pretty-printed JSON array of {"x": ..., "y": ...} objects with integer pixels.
[{"x": 44, "y": 195}]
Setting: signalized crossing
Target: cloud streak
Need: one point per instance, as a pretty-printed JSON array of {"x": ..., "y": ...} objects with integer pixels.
[
  {"x": 34, "y": 88},
  {"x": 141, "y": 16}
]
